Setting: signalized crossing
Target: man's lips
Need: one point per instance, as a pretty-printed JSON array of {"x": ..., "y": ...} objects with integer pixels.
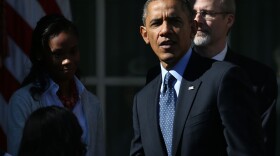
[
  {"x": 201, "y": 32},
  {"x": 166, "y": 44}
]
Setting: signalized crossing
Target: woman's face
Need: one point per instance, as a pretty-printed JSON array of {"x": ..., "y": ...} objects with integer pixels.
[{"x": 64, "y": 56}]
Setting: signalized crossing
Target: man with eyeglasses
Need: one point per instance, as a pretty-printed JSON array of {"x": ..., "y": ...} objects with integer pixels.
[{"x": 215, "y": 19}]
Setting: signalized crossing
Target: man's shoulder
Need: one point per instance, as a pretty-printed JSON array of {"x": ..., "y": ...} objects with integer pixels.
[
  {"x": 253, "y": 67},
  {"x": 219, "y": 69}
]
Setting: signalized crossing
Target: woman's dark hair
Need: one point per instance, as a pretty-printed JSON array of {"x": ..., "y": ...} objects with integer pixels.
[
  {"x": 52, "y": 131},
  {"x": 47, "y": 27}
]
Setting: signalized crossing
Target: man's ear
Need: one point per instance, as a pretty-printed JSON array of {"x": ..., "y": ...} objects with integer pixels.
[
  {"x": 193, "y": 28},
  {"x": 143, "y": 32},
  {"x": 230, "y": 20}
]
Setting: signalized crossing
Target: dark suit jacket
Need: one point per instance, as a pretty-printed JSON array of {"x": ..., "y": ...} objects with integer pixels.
[
  {"x": 265, "y": 86},
  {"x": 217, "y": 117}
]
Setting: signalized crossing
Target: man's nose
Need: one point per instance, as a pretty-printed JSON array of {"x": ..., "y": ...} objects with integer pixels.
[
  {"x": 166, "y": 28},
  {"x": 198, "y": 17}
]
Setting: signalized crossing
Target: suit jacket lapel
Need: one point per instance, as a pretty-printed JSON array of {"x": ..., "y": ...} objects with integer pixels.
[
  {"x": 185, "y": 100},
  {"x": 152, "y": 109},
  {"x": 189, "y": 86}
]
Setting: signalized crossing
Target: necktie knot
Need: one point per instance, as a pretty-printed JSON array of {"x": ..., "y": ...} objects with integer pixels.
[{"x": 169, "y": 80}]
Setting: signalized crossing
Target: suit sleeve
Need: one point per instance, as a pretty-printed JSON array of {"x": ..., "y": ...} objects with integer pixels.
[
  {"x": 237, "y": 106},
  {"x": 136, "y": 148},
  {"x": 268, "y": 95}
]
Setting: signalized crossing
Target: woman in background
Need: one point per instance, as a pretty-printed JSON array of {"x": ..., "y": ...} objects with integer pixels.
[{"x": 52, "y": 80}]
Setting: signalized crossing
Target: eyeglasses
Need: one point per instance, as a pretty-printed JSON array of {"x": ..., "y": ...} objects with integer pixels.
[{"x": 210, "y": 15}]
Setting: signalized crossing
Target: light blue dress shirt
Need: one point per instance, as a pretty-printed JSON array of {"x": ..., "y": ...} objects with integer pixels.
[
  {"x": 177, "y": 71},
  {"x": 49, "y": 98},
  {"x": 221, "y": 55}
]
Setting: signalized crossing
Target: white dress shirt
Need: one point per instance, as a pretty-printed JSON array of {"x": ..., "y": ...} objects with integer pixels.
[{"x": 221, "y": 55}]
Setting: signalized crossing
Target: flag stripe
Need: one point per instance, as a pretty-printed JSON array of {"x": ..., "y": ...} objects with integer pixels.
[
  {"x": 18, "y": 63},
  {"x": 30, "y": 10},
  {"x": 3, "y": 122},
  {"x": 3, "y": 107},
  {"x": 3, "y": 145},
  {"x": 49, "y": 6},
  {"x": 8, "y": 83},
  {"x": 65, "y": 8},
  {"x": 18, "y": 29}
]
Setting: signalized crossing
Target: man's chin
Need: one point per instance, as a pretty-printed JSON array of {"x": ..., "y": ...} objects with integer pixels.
[{"x": 201, "y": 41}]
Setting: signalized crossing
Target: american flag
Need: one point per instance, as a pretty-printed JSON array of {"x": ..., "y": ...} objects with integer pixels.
[{"x": 18, "y": 19}]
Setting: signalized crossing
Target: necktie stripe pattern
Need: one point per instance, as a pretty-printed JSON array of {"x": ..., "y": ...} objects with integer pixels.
[{"x": 167, "y": 104}]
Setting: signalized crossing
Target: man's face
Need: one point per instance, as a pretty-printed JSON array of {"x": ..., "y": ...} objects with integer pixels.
[
  {"x": 168, "y": 30},
  {"x": 213, "y": 23}
]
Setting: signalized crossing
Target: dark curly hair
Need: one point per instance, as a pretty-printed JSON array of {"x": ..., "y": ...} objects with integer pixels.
[
  {"x": 47, "y": 27},
  {"x": 52, "y": 131}
]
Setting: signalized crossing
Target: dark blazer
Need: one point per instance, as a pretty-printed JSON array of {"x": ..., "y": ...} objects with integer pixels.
[
  {"x": 265, "y": 86},
  {"x": 215, "y": 114}
]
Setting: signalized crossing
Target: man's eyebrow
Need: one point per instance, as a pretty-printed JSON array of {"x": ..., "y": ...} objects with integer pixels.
[
  {"x": 155, "y": 20},
  {"x": 174, "y": 18}
]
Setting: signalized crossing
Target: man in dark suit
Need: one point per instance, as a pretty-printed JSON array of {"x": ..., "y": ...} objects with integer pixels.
[
  {"x": 215, "y": 19},
  {"x": 208, "y": 105}
]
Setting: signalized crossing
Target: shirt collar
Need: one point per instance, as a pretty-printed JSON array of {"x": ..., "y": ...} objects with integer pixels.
[
  {"x": 53, "y": 87},
  {"x": 221, "y": 56},
  {"x": 178, "y": 70}
]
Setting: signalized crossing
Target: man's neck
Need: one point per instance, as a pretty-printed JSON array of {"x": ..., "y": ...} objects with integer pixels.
[{"x": 210, "y": 51}]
